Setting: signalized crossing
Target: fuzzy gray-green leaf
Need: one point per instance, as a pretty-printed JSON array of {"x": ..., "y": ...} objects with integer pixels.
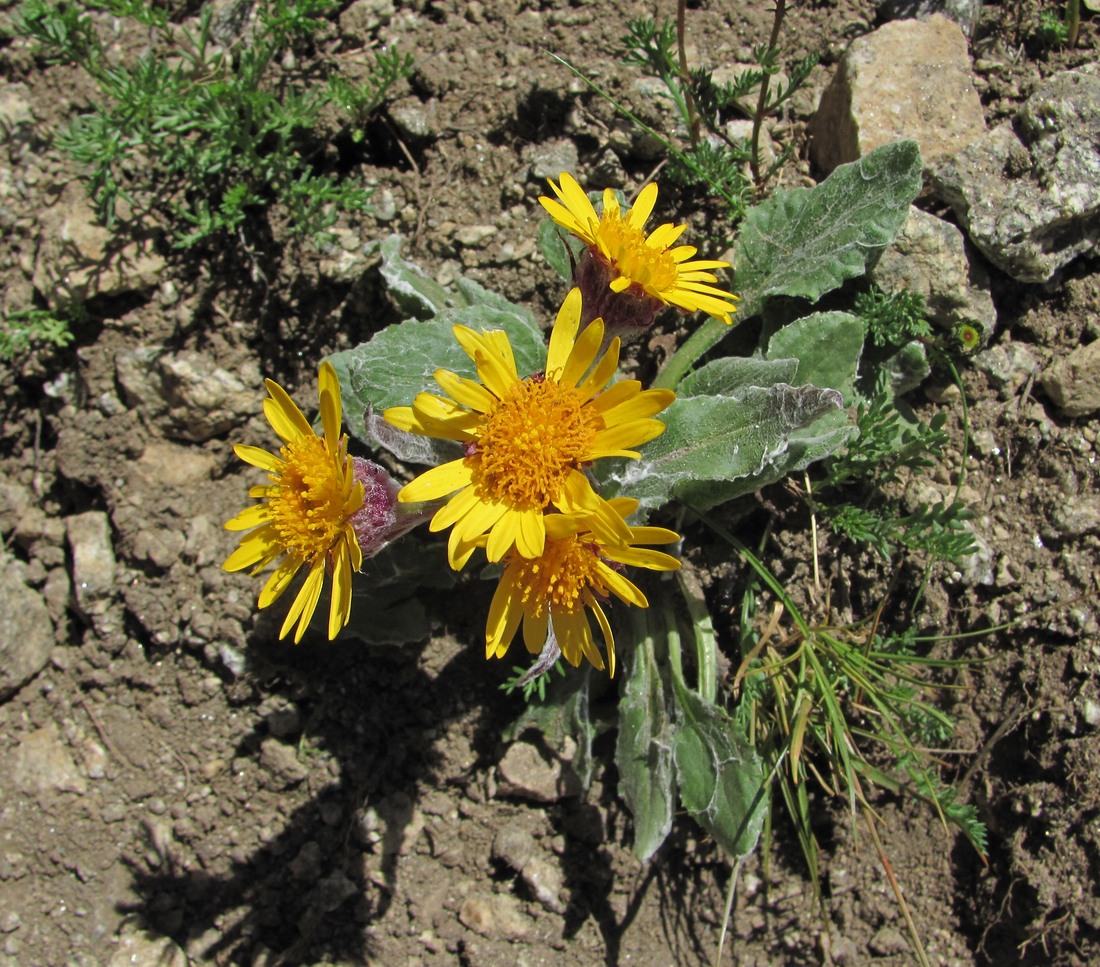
[
  {"x": 643, "y": 752},
  {"x": 721, "y": 777},
  {"x": 808, "y": 241}
]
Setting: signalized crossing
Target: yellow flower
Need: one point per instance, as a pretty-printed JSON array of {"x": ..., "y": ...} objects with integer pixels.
[
  {"x": 526, "y": 440},
  {"x": 628, "y": 259},
  {"x": 576, "y": 570},
  {"x": 305, "y": 513}
]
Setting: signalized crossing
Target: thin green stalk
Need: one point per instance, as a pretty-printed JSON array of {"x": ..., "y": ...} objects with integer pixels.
[
  {"x": 705, "y": 338},
  {"x": 685, "y": 74},
  {"x": 762, "y": 100}
]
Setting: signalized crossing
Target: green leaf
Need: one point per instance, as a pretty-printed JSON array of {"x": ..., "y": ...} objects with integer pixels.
[
  {"x": 720, "y": 775},
  {"x": 556, "y": 246},
  {"x": 730, "y": 374},
  {"x": 718, "y": 447},
  {"x": 808, "y": 241},
  {"x": 399, "y": 362},
  {"x": 827, "y": 346},
  {"x": 412, "y": 288},
  {"x": 643, "y": 751}
]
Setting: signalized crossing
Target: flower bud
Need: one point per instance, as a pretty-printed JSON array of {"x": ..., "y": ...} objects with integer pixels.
[
  {"x": 625, "y": 314},
  {"x": 381, "y": 519}
]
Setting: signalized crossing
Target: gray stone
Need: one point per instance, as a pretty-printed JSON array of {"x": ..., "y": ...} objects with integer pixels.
[
  {"x": 1074, "y": 516},
  {"x": 929, "y": 257},
  {"x": 493, "y": 915},
  {"x": 513, "y": 846},
  {"x": 26, "y": 632},
  {"x": 548, "y": 159},
  {"x": 964, "y": 12},
  {"x": 363, "y": 17},
  {"x": 1008, "y": 365},
  {"x": 1073, "y": 380},
  {"x": 187, "y": 394},
  {"x": 415, "y": 119},
  {"x": 93, "y": 561},
  {"x": 1026, "y": 193},
  {"x": 908, "y": 79}
]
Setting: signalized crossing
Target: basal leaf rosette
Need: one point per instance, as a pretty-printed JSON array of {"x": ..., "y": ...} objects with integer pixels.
[
  {"x": 527, "y": 440},
  {"x": 576, "y": 571},
  {"x": 626, "y": 276}
]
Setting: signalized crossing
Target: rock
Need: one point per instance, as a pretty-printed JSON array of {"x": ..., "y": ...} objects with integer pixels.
[
  {"x": 15, "y": 501},
  {"x": 1073, "y": 381},
  {"x": 26, "y": 632},
  {"x": 332, "y": 892},
  {"x": 1075, "y": 516},
  {"x": 175, "y": 465},
  {"x": 474, "y": 235},
  {"x": 548, "y": 159},
  {"x": 964, "y": 12},
  {"x": 513, "y": 846},
  {"x": 138, "y": 947},
  {"x": 364, "y": 17},
  {"x": 929, "y": 257},
  {"x": 187, "y": 394},
  {"x": 415, "y": 119},
  {"x": 281, "y": 763},
  {"x": 1008, "y": 365},
  {"x": 78, "y": 258},
  {"x": 545, "y": 883},
  {"x": 93, "y": 562},
  {"x": 525, "y": 773},
  {"x": 888, "y": 942},
  {"x": 1026, "y": 192},
  {"x": 908, "y": 79},
  {"x": 43, "y": 764},
  {"x": 492, "y": 915}
]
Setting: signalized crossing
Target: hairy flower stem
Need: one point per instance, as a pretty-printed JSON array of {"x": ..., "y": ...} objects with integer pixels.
[{"x": 685, "y": 74}]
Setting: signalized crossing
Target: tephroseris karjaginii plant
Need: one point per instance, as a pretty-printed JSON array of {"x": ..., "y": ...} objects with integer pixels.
[
  {"x": 207, "y": 127},
  {"x": 737, "y": 424}
]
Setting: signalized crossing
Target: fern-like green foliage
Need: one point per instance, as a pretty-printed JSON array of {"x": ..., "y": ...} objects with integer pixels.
[
  {"x": 27, "y": 330},
  {"x": 203, "y": 133},
  {"x": 894, "y": 318}
]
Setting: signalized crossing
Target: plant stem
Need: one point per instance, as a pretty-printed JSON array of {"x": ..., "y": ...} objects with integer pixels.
[
  {"x": 1073, "y": 22},
  {"x": 762, "y": 100},
  {"x": 685, "y": 74},
  {"x": 705, "y": 338}
]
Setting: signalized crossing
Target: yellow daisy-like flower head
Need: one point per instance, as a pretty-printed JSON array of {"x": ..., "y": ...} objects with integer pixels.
[
  {"x": 575, "y": 571},
  {"x": 527, "y": 440},
  {"x": 627, "y": 276},
  {"x": 305, "y": 515}
]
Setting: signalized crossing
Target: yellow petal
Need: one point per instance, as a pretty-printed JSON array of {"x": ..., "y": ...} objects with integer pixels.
[
  {"x": 644, "y": 404},
  {"x": 644, "y": 557},
  {"x": 503, "y": 535},
  {"x": 437, "y": 482},
  {"x": 250, "y": 517},
  {"x": 283, "y": 414},
  {"x": 505, "y": 612},
  {"x": 531, "y": 539},
  {"x": 630, "y": 434},
  {"x": 339, "y": 611},
  {"x": 305, "y": 603},
  {"x": 584, "y": 352},
  {"x": 258, "y": 457},
  {"x": 534, "y": 630},
  {"x": 329, "y": 393},
  {"x": 279, "y": 580},
  {"x": 564, "y": 334},
  {"x": 622, "y": 587},
  {"x": 605, "y": 627},
  {"x": 455, "y": 509},
  {"x": 465, "y": 391},
  {"x": 252, "y": 548},
  {"x": 643, "y": 206}
]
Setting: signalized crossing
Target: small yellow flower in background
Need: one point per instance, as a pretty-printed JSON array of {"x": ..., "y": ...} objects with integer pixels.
[
  {"x": 576, "y": 570},
  {"x": 305, "y": 515},
  {"x": 648, "y": 271},
  {"x": 526, "y": 441}
]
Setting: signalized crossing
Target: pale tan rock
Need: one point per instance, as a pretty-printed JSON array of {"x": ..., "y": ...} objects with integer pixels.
[
  {"x": 78, "y": 257},
  {"x": 908, "y": 79},
  {"x": 1073, "y": 381}
]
